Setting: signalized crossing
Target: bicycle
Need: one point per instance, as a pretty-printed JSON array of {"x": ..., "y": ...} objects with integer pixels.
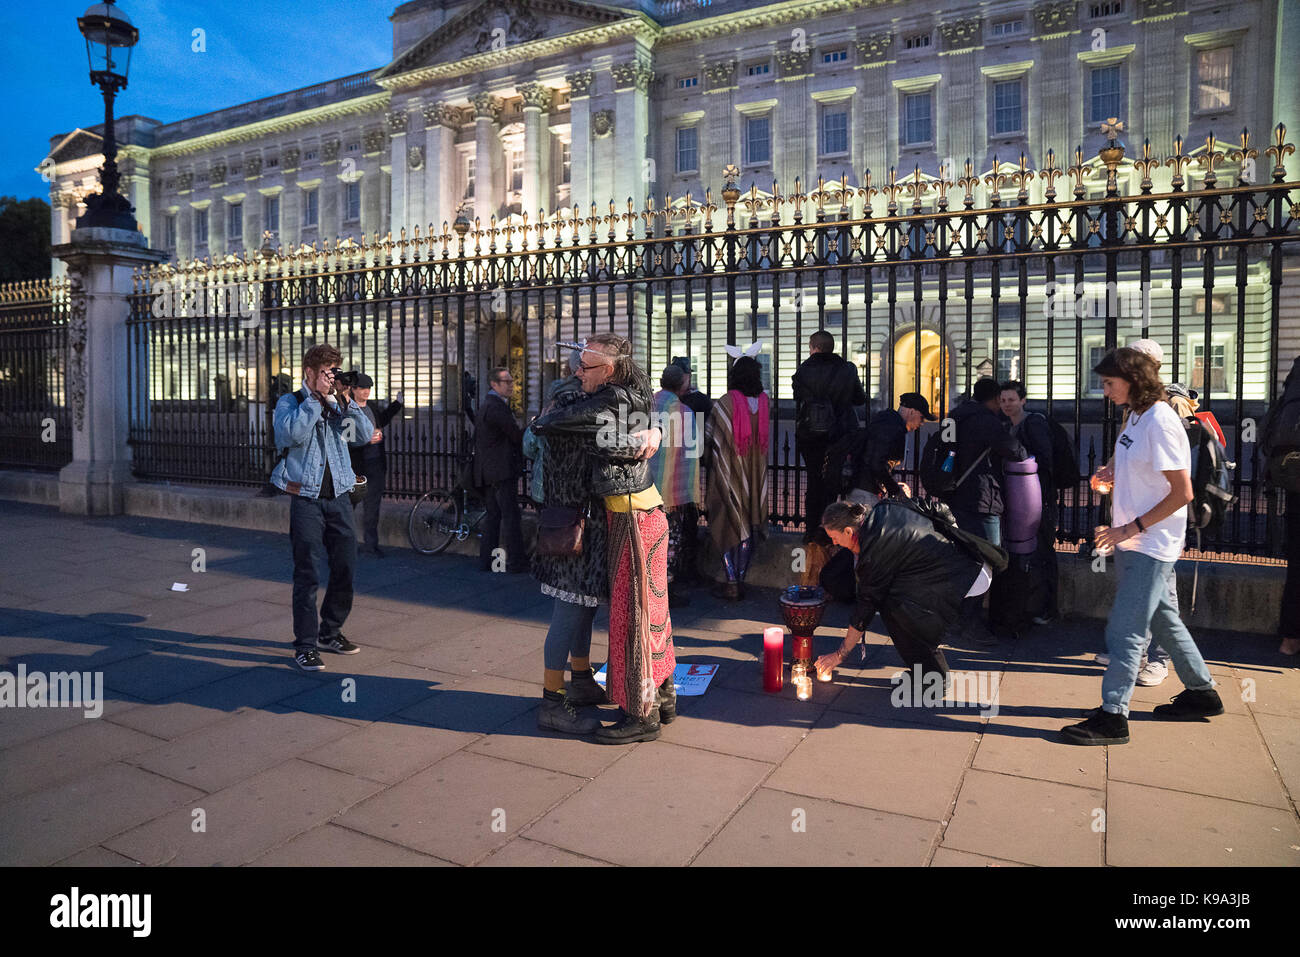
[{"x": 441, "y": 515}]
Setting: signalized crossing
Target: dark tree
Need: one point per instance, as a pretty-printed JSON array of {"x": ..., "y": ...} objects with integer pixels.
[{"x": 24, "y": 239}]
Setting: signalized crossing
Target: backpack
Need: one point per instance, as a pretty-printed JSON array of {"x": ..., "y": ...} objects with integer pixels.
[
  {"x": 1282, "y": 447},
  {"x": 816, "y": 420},
  {"x": 1065, "y": 459},
  {"x": 975, "y": 546},
  {"x": 1211, "y": 483},
  {"x": 937, "y": 481}
]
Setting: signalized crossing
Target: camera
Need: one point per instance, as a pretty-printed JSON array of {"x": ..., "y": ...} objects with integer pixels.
[{"x": 345, "y": 380}]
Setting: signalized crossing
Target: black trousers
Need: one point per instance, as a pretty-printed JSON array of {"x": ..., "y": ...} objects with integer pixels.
[
  {"x": 376, "y": 473},
  {"x": 321, "y": 527},
  {"x": 1046, "y": 548},
  {"x": 688, "y": 553},
  {"x": 502, "y": 522},
  {"x": 1289, "y": 625},
  {"x": 915, "y": 651},
  {"x": 817, "y": 496}
]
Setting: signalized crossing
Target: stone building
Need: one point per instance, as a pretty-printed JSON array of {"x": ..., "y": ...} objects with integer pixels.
[{"x": 507, "y": 108}]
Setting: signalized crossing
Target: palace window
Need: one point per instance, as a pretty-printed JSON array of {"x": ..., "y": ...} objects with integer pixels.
[
  {"x": 1006, "y": 28},
  {"x": 917, "y": 112},
  {"x": 688, "y": 149},
  {"x": 271, "y": 213},
  {"x": 1008, "y": 112},
  {"x": 566, "y": 162},
  {"x": 758, "y": 140},
  {"x": 835, "y": 130},
  {"x": 1214, "y": 79},
  {"x": 352, "y": 202},
  {"x": 1219, "y": 361},
  {"x": 686, "y": 82},
  {"x": 916, "y": 41},
  {"x": 309, "y": 156},
  {"x": 311, "y": 207},
  {"x": 169, "y": 231},
  {"x": 1094, "y": 351},
  {"x": 200, "y": 227},
  {"x": 1008, "y": 366},
  {"x": 469, "y": 177},
  {"x": 758, "y": 69},
  {"x": 235, "y": 222},
  {"x": 1109, "y": 8},
  {"x": 515, "y": 158},
  {"x": 1105, "y": 88},
  {"x": 835, "y": 56}
]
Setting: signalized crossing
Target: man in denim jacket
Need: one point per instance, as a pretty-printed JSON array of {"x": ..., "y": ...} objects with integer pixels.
[{"x": 315, "y": 425}]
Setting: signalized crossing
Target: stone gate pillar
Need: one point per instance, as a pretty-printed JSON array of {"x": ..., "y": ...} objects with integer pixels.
[{"x": 99, "y": 262}]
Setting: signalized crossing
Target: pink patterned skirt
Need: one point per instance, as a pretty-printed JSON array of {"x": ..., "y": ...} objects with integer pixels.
[{"x": 639, "y": 648}]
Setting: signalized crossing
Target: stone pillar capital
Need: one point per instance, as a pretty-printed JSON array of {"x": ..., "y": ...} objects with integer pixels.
[
  {"x": 487, "y": 106},
  {"x": 537, "y": 96},
  {"x": 580, "y": 82}
]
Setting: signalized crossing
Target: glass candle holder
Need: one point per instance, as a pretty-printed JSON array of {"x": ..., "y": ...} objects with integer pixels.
[{"x": 803, "y": 688}]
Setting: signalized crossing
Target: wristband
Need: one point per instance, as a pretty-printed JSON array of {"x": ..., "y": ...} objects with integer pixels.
[{"x": 1138, "y": 523}]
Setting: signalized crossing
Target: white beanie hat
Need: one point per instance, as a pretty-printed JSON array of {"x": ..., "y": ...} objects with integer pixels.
[{"x": 1151, "y": 348}]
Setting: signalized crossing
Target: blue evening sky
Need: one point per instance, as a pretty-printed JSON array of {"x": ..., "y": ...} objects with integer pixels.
[{"x": 253, "y": 50}]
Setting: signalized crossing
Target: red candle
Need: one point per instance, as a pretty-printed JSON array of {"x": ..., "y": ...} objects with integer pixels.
[{"x": 773, "y": 658}]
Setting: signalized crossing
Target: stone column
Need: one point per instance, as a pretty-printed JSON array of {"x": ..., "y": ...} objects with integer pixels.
[
  {"x": 401, "y": 211},
  {"x": 580, "y": 148},
  {"x": 441, "y": 121},
  {"x": 60, "y": 227},
  {"x": 99, "y": 263},
  {"x": 488, "y": 187},
  {"x": 537, "y": 150},
  {"x": 632, "y": 114},
  {"x": 134, "y": 169}
]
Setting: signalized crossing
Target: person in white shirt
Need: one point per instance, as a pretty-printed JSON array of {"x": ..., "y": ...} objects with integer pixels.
[{"x": 1152, "y": 486}]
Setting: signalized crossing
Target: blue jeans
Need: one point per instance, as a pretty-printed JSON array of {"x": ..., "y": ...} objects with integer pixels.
[
  {"x": 1142, "y": 602},
  {"x": 569, "y": 634},
  {"x": 978, "y": 523}
]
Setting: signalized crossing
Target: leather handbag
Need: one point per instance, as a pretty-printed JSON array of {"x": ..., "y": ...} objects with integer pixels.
[{"x": 559, "y": 531}]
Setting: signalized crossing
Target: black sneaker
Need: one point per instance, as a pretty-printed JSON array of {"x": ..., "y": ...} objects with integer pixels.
[
  {"x": 309, "y": 660},
  {"x": 337, "y": 644},
  {"x": 1190, "y": 706},
  {"x": 628, "y": 729},
  {"x": 1103, "y": 727}
]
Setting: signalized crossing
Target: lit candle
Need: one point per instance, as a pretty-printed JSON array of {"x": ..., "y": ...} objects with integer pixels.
[
  {"x": 803, "y": 688},
  {"x": 825, "y": 675},
  {"x": 1103, "y": 488},
  {"x": 773, "y": 658}
]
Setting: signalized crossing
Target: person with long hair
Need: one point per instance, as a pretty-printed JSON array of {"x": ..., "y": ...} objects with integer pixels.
[
  {"x": 1152, "y": 487},
  {"x": 736, "y": 439},
  {"x": 641, "y": 655}
]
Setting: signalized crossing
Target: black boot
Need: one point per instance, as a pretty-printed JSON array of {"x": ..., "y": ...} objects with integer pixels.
[
  {"x": 1102, "y": 727},
  {"x": 629, "y": 729},
  {"x": 584, "y": 691},
  {"x": 666, "y": 698},
  {"x": 1190, "y": 706},
  {"x": 557, "y": 713}
]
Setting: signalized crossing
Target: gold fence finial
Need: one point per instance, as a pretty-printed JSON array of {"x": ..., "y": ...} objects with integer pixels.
[
  {"x": 1178, "y": 162},
  {"x": 1279, "y": 151}
]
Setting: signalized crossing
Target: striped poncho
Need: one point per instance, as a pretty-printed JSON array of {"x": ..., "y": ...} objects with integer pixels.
[
  {"x": 675, "y": 468},
  {"x": 737, "y": 496}
]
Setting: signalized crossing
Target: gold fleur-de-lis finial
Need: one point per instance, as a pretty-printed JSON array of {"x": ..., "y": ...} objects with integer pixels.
[
  {"x": 1145, "y": 165},
  {"x": 994, "y": 181},
  {"x": 1243, "y": 156},
  {"x": 892, "y": 190},
  {"x": 1112, "y": 128},
  {"x": 1021, "y": 178},
  {"x": 943, "y": 184},
  {"x": 1078, "y": 171},
  {"x": 968, "y": 182},
  {"x": 1279, "y": 151},
  {"x": 867, "y": 192},
  {"x": 1178, "y": 162},
  {"x": 917, "y": 187},
  {"x": 1209, "y": 158},
  {"x": 1050, "y": 172}
]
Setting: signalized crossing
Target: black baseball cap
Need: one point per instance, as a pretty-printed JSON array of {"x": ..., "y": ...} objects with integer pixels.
[
  {"x": 364, "y": 381},
  {"x": 914, "y": 400}
]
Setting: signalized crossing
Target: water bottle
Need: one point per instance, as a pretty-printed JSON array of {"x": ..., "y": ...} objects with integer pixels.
[{"x": 949, "y": 462}]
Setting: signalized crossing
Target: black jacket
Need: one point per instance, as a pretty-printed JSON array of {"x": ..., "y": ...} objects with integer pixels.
[
  {"x": 380, "y": 416},
  {"x": 885, "y": 441},
  {"x": 829, "y": 377},
  {"x": 911, "y": 573},
  {"x": 498, "y": 452},
  {"x": 980, "y": 428},
  {"x": 604, "y": 420}
]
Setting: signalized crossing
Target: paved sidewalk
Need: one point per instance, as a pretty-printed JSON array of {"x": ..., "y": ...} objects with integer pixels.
[{"x": 423, "y": 749}]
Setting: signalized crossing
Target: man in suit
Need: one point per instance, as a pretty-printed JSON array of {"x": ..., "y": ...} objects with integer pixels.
[
  {"x": 498, "y": 460},
  {"x": 368, "y": 459}
]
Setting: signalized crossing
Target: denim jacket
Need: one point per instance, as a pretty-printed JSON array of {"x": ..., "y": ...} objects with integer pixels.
[{"x": 299, "y": 427}]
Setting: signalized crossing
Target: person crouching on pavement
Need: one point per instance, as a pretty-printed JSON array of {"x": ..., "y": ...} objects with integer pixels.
[
  {"x": 313, "y": 427},
  {"x": 1153, "y": 484},
  {"x": 909, "y": 572}
]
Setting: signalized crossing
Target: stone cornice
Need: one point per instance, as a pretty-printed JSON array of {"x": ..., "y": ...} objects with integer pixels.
[
  {"x": 1007, "y": 71},
  {"x": 375, "y": 103},
  {"x": 1108, "y": 56},
  {"x": 732, "y": 23},
  {"x": 1214, "y": 38},
  {"x": 918, "y": 84},
  {"x": 636, "y": 26}
]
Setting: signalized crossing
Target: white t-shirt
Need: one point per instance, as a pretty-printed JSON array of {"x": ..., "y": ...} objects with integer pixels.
[{"x": 1152, "y": 442}]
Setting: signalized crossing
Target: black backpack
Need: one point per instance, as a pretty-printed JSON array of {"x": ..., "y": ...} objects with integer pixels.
[
  {"x": 977, "y": 547},
  {"x": 1211, "y": 483},
  {"x": 937, "y": 482},
  {"x": 1065, "y": 458},
  {"x": 816, "y": 420},
  {"x": 1282, "y": 447}
]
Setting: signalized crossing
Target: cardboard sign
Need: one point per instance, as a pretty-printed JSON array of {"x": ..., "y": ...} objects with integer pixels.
[{"x": 687, "y": 679}]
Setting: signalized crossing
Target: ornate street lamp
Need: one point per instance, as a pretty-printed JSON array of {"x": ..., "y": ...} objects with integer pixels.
[{"x": 105, "y": 27}]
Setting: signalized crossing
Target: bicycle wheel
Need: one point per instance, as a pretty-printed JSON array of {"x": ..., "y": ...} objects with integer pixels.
[{"x": 434, "y": 521}]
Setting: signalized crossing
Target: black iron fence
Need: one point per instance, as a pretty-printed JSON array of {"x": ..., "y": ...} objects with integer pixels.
[
  {"x": 924, "y": 291},
  {"x": 35, "y": 423}
]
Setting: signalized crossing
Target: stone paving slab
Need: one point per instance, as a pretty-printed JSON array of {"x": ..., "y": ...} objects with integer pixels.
[{"x": 442, "y": 732}]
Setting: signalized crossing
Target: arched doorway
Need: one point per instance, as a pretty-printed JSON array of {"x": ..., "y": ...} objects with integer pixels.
[
  {"x": 935, "y": 369},
  {"x": 508, "y": 351}
]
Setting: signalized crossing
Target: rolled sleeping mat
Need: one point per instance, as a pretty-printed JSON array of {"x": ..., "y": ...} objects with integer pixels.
[{"x": 1023, "y": 500}]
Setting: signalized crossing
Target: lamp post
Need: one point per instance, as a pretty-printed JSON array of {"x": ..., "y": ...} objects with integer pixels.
[{"x": 105, "y": 27}]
